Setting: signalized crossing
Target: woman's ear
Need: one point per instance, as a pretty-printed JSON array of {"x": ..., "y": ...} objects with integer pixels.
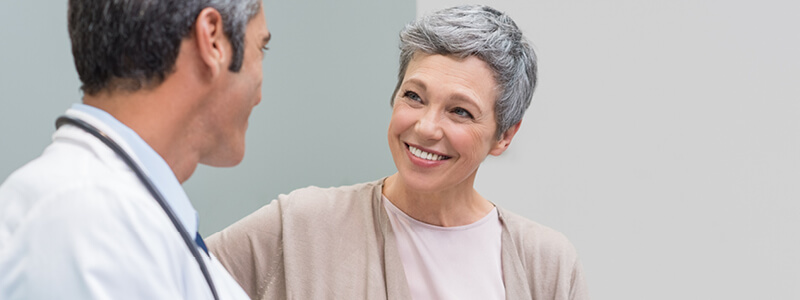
[
  {"x": 212, "y": 44},
  {"x": 505, "y": 140}
]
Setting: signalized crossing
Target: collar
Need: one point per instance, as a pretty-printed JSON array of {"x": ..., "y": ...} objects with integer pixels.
[
  {"x": 153, "y": 164},
  {"x": 515, "y": 277}
]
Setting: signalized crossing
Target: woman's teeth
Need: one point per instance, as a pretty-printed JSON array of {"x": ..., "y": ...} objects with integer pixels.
[{"x": 425, "y": 155}]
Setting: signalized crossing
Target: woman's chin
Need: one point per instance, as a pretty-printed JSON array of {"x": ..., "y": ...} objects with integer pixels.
[{"x": 422, "y": 184}]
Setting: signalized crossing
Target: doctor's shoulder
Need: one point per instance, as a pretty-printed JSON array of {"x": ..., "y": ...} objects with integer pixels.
[
  {"x": 67, "y": 176},
  {"x": 76, "y": 194},
  {"x": 66, "y": 214}
]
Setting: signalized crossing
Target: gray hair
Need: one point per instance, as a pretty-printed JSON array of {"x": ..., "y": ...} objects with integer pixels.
[
  {"x": 130, "y": 44},
  {"x": 488, "y": 34}
]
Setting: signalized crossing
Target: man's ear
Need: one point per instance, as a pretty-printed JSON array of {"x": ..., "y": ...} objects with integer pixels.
[
  {"x": 213, "y": 46},
  {"x": 501, "y": 145}
]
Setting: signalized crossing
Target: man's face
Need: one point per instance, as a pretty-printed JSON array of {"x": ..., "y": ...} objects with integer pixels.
[{"x": 239, "y": 93}]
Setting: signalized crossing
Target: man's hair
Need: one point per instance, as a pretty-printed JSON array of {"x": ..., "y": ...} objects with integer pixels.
[
  {"x": 131, "y": 44},
  {"x": 488, "y": 34}
]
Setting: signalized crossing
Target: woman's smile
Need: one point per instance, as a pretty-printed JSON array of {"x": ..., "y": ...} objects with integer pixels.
[
  {"x": 443, "y": 124},
  {"x": 424, "y": 157}
]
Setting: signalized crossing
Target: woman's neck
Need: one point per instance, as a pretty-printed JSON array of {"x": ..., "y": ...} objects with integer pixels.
[{"x": 457, "y": 206}]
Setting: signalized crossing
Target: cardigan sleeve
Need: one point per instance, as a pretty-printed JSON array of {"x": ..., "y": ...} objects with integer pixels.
[
  {"x": 578, "y": 289},
  {"x": 251, "y": 251}
]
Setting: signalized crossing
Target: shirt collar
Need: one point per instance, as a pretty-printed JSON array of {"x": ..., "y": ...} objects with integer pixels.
[{"x": 153, "y": 165}]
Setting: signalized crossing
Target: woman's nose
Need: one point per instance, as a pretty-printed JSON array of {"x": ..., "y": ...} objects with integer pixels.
[{"x": 429, "y": 125}]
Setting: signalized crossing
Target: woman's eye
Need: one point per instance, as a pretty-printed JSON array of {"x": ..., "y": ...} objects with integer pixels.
[
  {"x": 462, "y": 112},
  {"x": 413, "y": 96}
]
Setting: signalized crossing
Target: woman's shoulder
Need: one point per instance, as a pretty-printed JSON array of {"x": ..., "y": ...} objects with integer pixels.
[
  {"x": 531, "y": 237},
  {"x": 342, "y": 193},
  {"x": 545, "y": 255},
  {"x": 314, "y": 200}
]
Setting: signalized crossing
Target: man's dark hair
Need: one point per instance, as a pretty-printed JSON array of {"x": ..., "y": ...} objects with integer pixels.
[{"x": 131, "y": 44}]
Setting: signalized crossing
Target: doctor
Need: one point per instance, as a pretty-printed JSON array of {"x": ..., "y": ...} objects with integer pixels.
[{"x": 101, "y": 214}]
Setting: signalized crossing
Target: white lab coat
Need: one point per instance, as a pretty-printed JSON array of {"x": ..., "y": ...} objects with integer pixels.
[{"x": 76, "y": 223}]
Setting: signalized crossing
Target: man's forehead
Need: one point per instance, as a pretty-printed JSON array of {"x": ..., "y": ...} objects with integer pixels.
[{"x": 258, "y": 26}]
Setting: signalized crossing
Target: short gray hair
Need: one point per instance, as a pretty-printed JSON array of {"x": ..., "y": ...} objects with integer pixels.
[
  {"x": 488, "y": 34},
  {"x": 129, "y": 44}
]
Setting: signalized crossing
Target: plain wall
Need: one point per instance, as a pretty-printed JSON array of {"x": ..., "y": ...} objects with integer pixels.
[
  {"x": 664, "y": 141},
  {"x": 328, "y": 78}
]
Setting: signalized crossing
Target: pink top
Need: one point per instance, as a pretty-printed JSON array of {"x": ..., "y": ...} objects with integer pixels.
[{"x": 461, "y": 262}]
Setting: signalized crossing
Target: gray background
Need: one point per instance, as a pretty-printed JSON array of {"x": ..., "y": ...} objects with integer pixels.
[
  {"x": 663, "y": 139},
  {"x": 328, "y": 78}
]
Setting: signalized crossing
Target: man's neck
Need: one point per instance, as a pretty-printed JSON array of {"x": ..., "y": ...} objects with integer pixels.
[{"x": 159, "y": 120}]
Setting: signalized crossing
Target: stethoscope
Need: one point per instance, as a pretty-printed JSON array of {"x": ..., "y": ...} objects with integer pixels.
[{"x": 150, "y": 187}]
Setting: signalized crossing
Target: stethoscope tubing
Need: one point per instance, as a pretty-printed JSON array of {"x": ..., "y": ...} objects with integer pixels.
[{"x": 103, "y": 137}]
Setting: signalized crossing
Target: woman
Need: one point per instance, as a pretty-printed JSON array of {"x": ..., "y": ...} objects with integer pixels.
[{"x": 466, "y": 77}]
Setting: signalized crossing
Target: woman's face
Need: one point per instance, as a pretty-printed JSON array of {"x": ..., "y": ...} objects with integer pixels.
[{"x": 443, "y": 123}]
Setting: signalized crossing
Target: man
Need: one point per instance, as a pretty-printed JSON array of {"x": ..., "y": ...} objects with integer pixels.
[{"x": 172, "y": 83}]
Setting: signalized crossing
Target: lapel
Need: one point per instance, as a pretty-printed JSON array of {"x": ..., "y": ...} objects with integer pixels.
[
  {"x": 394, "y": 275},
  {"x": 514, "y": 275}
]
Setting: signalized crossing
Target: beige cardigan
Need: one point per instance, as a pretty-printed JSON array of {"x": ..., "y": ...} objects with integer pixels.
[{"x": 337, "y": 243}]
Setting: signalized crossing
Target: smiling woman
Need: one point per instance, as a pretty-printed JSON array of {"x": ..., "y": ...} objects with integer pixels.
[
  {"x": 445, "y": 108},
  {"x": 466, "y": 78}
]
